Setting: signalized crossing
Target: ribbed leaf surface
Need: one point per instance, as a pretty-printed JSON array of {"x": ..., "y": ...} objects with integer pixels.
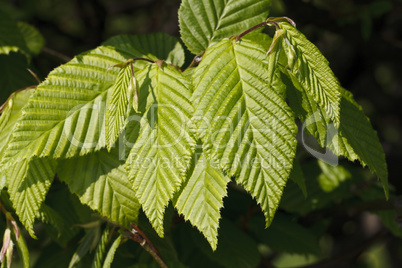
[
  {"x": 155, "y": 46},
  {"x": 203, "y": 22},
  {"x": 159, "y": 159},
  {"x": 313, "y": 73},
  {"x": 118, "y": 104},
  {"x": 244, "y": 122},
  {"x": 27, "y": 184},
  {"x": 100, "y": 181},
  {"x": 201, "y": 198}
]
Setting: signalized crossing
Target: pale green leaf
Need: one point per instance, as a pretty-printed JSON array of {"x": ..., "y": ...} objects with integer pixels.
[
  {"x": 100, "y": 181},
  {"x": 201, "y": 198},
  {"x": 332, "y": 176},
  {"x": 161, "y": 155},
  {"x": 27, "y": 184},
  {"x": 204, "y": 22},
  {"x": 312, "y": 72},
  {"x": 65, "y": 116},
  {"x": 118, "y": 104},
  {"x": 154, "y": 46},
  {"x": 110, "y": 254},
  {"x": 10, "y": 114},
  {"x": 243, "y": 120},
  {"x": 33, "y": 39}
]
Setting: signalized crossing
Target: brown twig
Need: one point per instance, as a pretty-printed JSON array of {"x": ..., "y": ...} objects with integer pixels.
[{"x": 55, "y": 54}]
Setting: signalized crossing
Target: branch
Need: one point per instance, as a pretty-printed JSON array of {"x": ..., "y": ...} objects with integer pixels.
[{"x": 55, "y": 54}]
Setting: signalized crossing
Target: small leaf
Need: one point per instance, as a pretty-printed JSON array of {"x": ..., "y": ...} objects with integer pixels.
[
  {"x": 201, "y": 198},
  {"x": 101, "y": 249},
  {"x": 312, "y": 71},
  {"x": 33, "y": 39},
  {"x": 85, "y": 246},
  {"x": 204, "y": 22},
  {"x": 110, "y": 254},
  {"x": 21, "y": 248},
  {"x": 10, "y": 36}
]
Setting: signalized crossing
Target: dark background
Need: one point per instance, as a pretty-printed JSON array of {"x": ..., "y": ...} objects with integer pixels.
[{"x": 362, "y": 39}]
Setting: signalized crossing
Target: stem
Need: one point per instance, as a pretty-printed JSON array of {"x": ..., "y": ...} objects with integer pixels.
[
  {"x": 144, "y": 59},
  {"x": 56, "y": 54},
  {"x": 250, "y": 30}
]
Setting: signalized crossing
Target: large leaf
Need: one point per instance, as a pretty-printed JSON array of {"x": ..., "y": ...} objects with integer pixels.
[
  {"x": 201, "y": 198},
  {"x": 203, "y": 22},
  {"x": 27, "y": 184},
  {"x": 245, "y": 122},
  {"x": 155, "y": 46},
  {"x": 100, "y": 181},
  {"x": 311, "y": 70},
  {"x": 161, "y": 156}
]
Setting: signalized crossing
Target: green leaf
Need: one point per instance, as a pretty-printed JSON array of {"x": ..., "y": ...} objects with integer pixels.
[
  {"x": 155, "y": 46},
  {"x": 65, "y": 116},
  {"x": 21, "y": 248},
  {"x": 357, "y": 140},
  {"x": 201, "y": 198},
  {"x": 204, "y": 22},
  {"x": 110, "y": 254},
  {"x": 14, "y": 75},
  {"x": 85, "y": 246},
  {"x": 161, "y": 155},
  {"x": 313, "y": 72},
  {"x": 332, "y": 176},
  {"x": 100, "y": 181},
  {"x": 285, "y": 235},
  {"x": 33, "y": 39},
  {"x": 28, "y": 183},
  {"x": 10, "y": 36},
  {"x": 245, "y": 122},
  {"x": 10, "y": 114},
  {"x": 101, "y": 249},
  {"x": 118, "y": 104}
]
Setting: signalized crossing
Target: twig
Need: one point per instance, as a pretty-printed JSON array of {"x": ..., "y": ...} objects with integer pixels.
[{"x": 56, "y": 54}]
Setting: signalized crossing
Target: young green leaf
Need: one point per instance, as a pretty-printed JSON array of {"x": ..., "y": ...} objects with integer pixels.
[
  {"x": 201, "y": 198},
  {"x": 21, "y": 248},
  {"x": 119, "y": 102},
  {"x": 101, "y": 249},
  {"x": 204, "y": 22},
  {"x": 161, "y": 155},
  {"x": 110, "y": 254},
  {"x": 100, "y": 181},
  {"x": 245, "y": 122},
  {"x": 311, "y": 70},
  {"x": 27, "y": 184},
  {"x": 33, "y": 39}
]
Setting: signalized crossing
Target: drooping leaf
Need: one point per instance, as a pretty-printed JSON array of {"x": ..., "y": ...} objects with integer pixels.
[
  {"x": 311, "y": 70},
  {"x": 33, "y": 39},
  {"x": 201, "y": 198},
  {"x": 297, "y": 176},
  {"x": 10, "y": 36},
  {"x": 100, "y": 181},
  {"x": 27, "y": 184},
  {"x": 154, "y": 46},
  {"x": 119, "y": 104},
  {"x": 357, "y": 140},
  {"x": 14, "y": 75},
  {"x": 204, "y": 22},
  {"x": 161, "y": 155},
  {"x": 245, "y": 122}
]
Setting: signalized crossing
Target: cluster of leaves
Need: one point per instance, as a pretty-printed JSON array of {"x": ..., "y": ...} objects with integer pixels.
[{"x": 125, "y": 129}]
